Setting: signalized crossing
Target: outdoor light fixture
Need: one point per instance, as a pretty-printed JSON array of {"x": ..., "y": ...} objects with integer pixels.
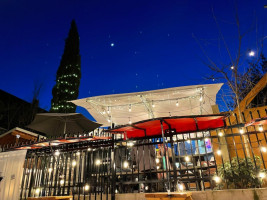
[
  {"x": 251, "y": 53},
  {"x": 97, "y": 162},
  {"x": 86, "y": 187},
  {"x": 130, "y": 122},
  {"x": 116, "y": 191},
  {"x": 260, "y": 128},
  {"x": 74, "y": 163},
  {"x": 153, "y": 105},
  {"x": 50, "y": 170},
  {"x": 37, "y": 191},
  {"x": 78, "y": 153},
  {"x": 89, "y": 149},
  {"x": 201, "y": 98},
  {"x": 262, "y": 175},
  {"x": 146, "y": 188},
  {"x": 104, "y": 112},
  {"x": 157, "y": 167},
  {"x": 264, "y": 149},
  {"x": 61, "y": 182},
  {"x": 109, "y": 119},
  {"x": 187, "y": 159},
  {"x": 125, "y": 164},
  {"x": 56, "y": 153},
  {"x": 180, "y": 188},
  {"x": 157, "y": 160},
  {"x": 130, "y": 144},
  {"x": 217, "y": 179},
  {"x": 241, "y": 130},
  {"x": 108, "y": 110},
  {"x": 219, "y": 152},
  {"x": 177, "y": 103},
  {"x": 220, "y": 134},
  {"x": 130, "y": 108},
  {"x": 232, "y": 67}
]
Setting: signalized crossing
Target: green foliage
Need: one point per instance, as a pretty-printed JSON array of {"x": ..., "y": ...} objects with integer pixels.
[{"x": 241, "y": 173}]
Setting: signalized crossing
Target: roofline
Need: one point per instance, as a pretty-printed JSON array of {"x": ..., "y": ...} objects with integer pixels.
[{"x": 21, "y": 130}]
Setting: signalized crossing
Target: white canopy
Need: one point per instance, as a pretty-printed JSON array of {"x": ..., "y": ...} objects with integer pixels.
[{"x": 132, "y": 107}]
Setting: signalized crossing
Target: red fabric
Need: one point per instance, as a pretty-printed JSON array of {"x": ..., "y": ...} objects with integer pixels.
[{"x": 181, "y": 125}]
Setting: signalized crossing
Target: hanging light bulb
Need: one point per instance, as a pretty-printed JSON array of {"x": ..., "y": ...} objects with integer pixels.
[
  {"x": 97, "y": 162},
  {"x": 206, "y": 139},
  {"x": 125, "y": 164},
  {"x": 201, "y": 98},
  {"x": 130, "y": 122},
  {"x": 74, "y": 163},
  {"x": 104, "y": 112},
  {"x": 262, "y": 175},
  {"x": 188, "y": 141},
  {"x": 187, "y": 159},
  {"x": 157, "y": 160},
  {"x": 130, "y": 108},
  {"x": 37, "y": 191},
  {"x": 78, "y": 153},
  {"x": 109, "y": 119},
  {"x": 241, "y": 130},
  {"x": 153, "y": 105},
  {"x": 180, "y": 188},
  {"x": 220, "y": 134},
  {"x": 86, "y": 187},
  {"x": 219, "y": 152},
  {"x": 50, "y": 170},
  {"x": 260, "y": 128},
  {"x": 177, "y": 103},
  {"x": 264, "y": 149},
  {"x": 56, "y": 153},
  {"x": 232, "y": 67},
  {"x": 217, "y": 179},
  {"x": 108, "y": 110},
  {"x": 61, "y": 182},
  {"x": 89, "y": 149}
]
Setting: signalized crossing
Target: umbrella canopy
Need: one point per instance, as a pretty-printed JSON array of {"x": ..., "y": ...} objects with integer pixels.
[{"x": 55, "y": 124}]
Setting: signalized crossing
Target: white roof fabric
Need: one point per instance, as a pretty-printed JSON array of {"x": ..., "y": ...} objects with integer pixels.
[{"x": 132, "y": 107}]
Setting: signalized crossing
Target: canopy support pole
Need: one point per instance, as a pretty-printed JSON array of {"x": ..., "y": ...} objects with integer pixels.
[{"x": 166, "y": 158}]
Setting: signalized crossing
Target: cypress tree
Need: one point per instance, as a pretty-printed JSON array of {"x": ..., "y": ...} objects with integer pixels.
[{"x": 68, "y": 75}]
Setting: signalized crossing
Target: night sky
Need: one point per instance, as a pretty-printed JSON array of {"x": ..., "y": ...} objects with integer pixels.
[{"x": 153, "y": 43}]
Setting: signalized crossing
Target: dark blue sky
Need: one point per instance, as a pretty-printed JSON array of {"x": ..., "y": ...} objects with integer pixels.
[{"x": 153, "y": 43}]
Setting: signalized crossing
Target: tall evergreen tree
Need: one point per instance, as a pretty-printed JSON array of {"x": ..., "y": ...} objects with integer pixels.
[{"x": 68, "y": 75}]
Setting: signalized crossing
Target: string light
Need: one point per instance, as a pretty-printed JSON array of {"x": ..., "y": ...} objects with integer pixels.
[
  {"x": 157, "y": 167},
  {"x": 130, "y": 144},
  {"x": 217, "y": 179},
  {"x": 78, "y": 153},
  {"x": 232, "y": 67},
  {"x": 108, "y": 110},
  {"x": 264, "y": 149},
  {"x": 74, "y": 163},
  {"x": 262, "y": 175},
  {"x": 206, "y": 139},
  {"x": 130, "y": 122},
  {"x": 201, "y": 98},
  {"x": 157, "y": 160},
  {"x": 219, "y": 152},
  {"x": 130, "y": 108},
  {"x": 241, "y": 130},
  {"x": 177, "y": 103},
  {"x": 97, "y": 162},
  {"x": 125, "y": 164},
  {"x": 50, "y": 170},
  {"x": 56, "y": 153},
  {"x": 37, "y": 191},
  {"x": 104, "y": 112},
  {"x": 187, "y": 159},
  {"x": 220, "y": 134},
  {"x": 260, "y": 128},
  {"x": 146, "y": 188},
  {"x": 188, "y": 141},
  {"x": 86, "y": 187},
  {"x": 109, "y": 119},
  {"x": 89, "y": 149},
  {"x": 180, "y": 188},
  {"x": 153, "y": 105},
  {"x": 61, "y": 182}
]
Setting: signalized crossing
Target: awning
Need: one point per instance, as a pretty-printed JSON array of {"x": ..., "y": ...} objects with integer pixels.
[
  {"x": 171, "y": 125},
  {"x": 178, "y": 101},
  {"x": 258, "y": 121},
  {"x": 62, "y": 141}
]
